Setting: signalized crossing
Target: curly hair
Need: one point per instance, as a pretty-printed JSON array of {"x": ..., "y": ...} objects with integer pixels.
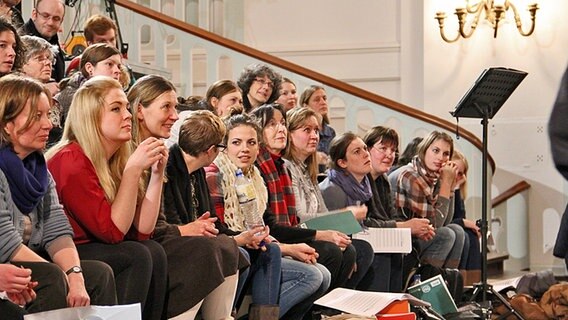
[{"x": 250, "y": 73}]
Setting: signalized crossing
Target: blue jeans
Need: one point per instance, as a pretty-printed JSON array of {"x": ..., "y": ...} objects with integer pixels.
[
  {"x": 302, "y": 284},
  {"x": 243, "y": 276},
  {"x": 265, "y": 274},
  {"x": 445, "y": 249}
]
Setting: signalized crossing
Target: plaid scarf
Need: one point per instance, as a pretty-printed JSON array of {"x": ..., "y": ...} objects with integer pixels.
[
  {"x": 417, "y": 191},
  {"x": 280, "y": 192}
]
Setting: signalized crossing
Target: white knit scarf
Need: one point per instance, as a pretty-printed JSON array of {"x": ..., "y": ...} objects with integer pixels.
[{"x": 227, "y": 169}]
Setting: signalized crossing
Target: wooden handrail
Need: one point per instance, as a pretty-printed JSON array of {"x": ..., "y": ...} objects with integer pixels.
[
  {"x": 509, "y": 193},
  {"x": 318, "y": 77}
]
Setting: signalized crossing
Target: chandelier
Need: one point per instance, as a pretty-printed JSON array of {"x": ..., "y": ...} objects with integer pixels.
[{"x": 494, "y": 13}]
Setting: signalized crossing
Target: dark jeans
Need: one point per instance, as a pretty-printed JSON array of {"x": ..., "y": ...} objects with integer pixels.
[
  {"x": 471, "y": 256},
  {"x": 365, "y": 256},
  {"x": 140, "y": 272},
  {"x": 384, "y": 275},
  {"x": 52, "y": 284},
  {"x": 339, "y": 263}
]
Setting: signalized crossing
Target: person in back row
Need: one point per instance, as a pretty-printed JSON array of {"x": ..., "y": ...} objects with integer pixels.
[
  {"x": 97, "y": 60},
  {"x": 192, "y": 245},
  {"x": 259, "y": 85},
  {"x": 98, "y": 177},
  {"x": 45, "y": 21},
  {"x": 12, "y": 51},
  {"x": 97, "y": 29},
  {"x": 35, "y": 235}
]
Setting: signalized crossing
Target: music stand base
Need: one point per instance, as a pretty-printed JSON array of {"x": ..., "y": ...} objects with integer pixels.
[{"x": 486, "y": 305}]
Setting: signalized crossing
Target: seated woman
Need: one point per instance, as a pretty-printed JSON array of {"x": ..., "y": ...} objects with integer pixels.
[
  {"x": 288, "y": 94},
  {"x": 315, "y": 98},
  {"x": 282, "y": 217},
  {"x": 300, "y": 154},
  {"x": 38, "y": 63},
  {"x": 97, "y": 60},
  {"x": 470, "y": 264},
  {"x": 222, "y": 97},
  {"x": 259, "y": 84},
  {"x": 424, "y": 188},
  {"x": 301, "y": 282},
  {"x": 13, "y": 49},
  {"x": 35, "y": 234},
  {"x": 98, "y": 182},
  {"x": 382, "y": 144},
  {"x": 192, "y": 244}
]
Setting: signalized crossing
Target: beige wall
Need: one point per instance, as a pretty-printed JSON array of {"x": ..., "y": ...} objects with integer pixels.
[{"x": 393, "y": 48}]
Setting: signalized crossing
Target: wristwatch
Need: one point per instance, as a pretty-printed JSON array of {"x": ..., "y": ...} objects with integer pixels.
[{"x": 75, "y": 269}]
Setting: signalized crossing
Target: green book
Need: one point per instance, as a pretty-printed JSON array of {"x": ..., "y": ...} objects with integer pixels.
[
  {"x": 434, "y": 290},
  {"x": 342, "y": 221}
]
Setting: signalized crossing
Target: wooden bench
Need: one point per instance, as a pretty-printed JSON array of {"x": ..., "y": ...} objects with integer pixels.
[{"x": 495, "y": 263}]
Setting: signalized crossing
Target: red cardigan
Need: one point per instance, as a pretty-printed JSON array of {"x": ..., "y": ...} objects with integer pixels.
[{"x": 84, "y": 199}]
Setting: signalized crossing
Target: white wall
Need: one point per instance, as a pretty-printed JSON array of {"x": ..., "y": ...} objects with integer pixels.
[
  {"x": 393, "y": 48},
  {"x": 517, "y": 136}
]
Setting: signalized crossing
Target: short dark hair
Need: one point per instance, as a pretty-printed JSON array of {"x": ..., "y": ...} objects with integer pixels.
[
  {"x": 381, "y": 134},
  {"x": 265, "y": 113}
]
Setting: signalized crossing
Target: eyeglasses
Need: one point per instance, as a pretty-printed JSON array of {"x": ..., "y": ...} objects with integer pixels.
[
  {"x": 221, "y": 147},
  {"x": 43, "y": 59},
  {"x": 47, "y": 16},
  {"x": 263, "y": 82},
  {"x": 387, "y": 151}
]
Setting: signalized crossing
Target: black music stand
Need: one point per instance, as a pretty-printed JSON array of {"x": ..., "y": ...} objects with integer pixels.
[{"x": 482, "y": 101}]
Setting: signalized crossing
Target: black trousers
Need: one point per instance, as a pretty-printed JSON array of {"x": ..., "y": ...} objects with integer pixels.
[
  {"x": 10, "y": 311},
  {"x": 140, "y": 272},
  {"x": 339, "y": 263},
  {"x": 52, "y": 284}
]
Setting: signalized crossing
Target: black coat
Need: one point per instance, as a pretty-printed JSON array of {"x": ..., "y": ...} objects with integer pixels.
[{"x": 58, "y": 72}]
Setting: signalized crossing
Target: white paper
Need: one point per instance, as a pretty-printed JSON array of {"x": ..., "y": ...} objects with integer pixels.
[
  {"x": 502, "y": 284},
  {"x": 363, "y": 303},
  {"x": 119, "y": 312},
  {"x": 387, "y": 240}
]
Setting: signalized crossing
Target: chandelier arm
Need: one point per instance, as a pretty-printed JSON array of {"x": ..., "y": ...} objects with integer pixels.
[
  {"x": 441, "y": 16},
  {"x": 472, "y": 26},
  {"x": 532, "y": 9}
]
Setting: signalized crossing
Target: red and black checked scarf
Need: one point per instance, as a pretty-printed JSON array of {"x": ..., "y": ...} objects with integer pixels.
[{"x": 280, "y": 192}]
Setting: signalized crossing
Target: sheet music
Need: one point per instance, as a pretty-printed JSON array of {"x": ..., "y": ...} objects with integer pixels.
[
  {"x": 362, "y": 303},
  {"x": 502, "y": 284},
  {"x": 387, "y": 240}
]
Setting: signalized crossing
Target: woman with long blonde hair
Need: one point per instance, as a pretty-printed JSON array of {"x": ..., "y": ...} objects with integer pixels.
[{"x": 98, "y": 177}]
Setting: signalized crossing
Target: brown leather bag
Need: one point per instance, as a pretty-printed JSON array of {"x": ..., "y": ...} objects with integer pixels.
[
  {"x": 555, "y": 301},
  {"x": 525, "y": 305}
]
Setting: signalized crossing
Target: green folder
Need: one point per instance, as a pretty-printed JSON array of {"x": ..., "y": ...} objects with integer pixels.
[
  {"x": 342, "y": 221},
  {"x": 434, "y": 290}
]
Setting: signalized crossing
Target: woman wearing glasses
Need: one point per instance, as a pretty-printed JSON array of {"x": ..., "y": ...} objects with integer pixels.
[
  {"x": 259, "y": 84},
  {"x": 188, "y": 236},
  {"x": 382, "y": 144}
]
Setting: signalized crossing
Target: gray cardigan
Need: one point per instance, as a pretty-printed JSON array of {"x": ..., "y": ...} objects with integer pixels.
[{"x": 48, "y": 221}]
